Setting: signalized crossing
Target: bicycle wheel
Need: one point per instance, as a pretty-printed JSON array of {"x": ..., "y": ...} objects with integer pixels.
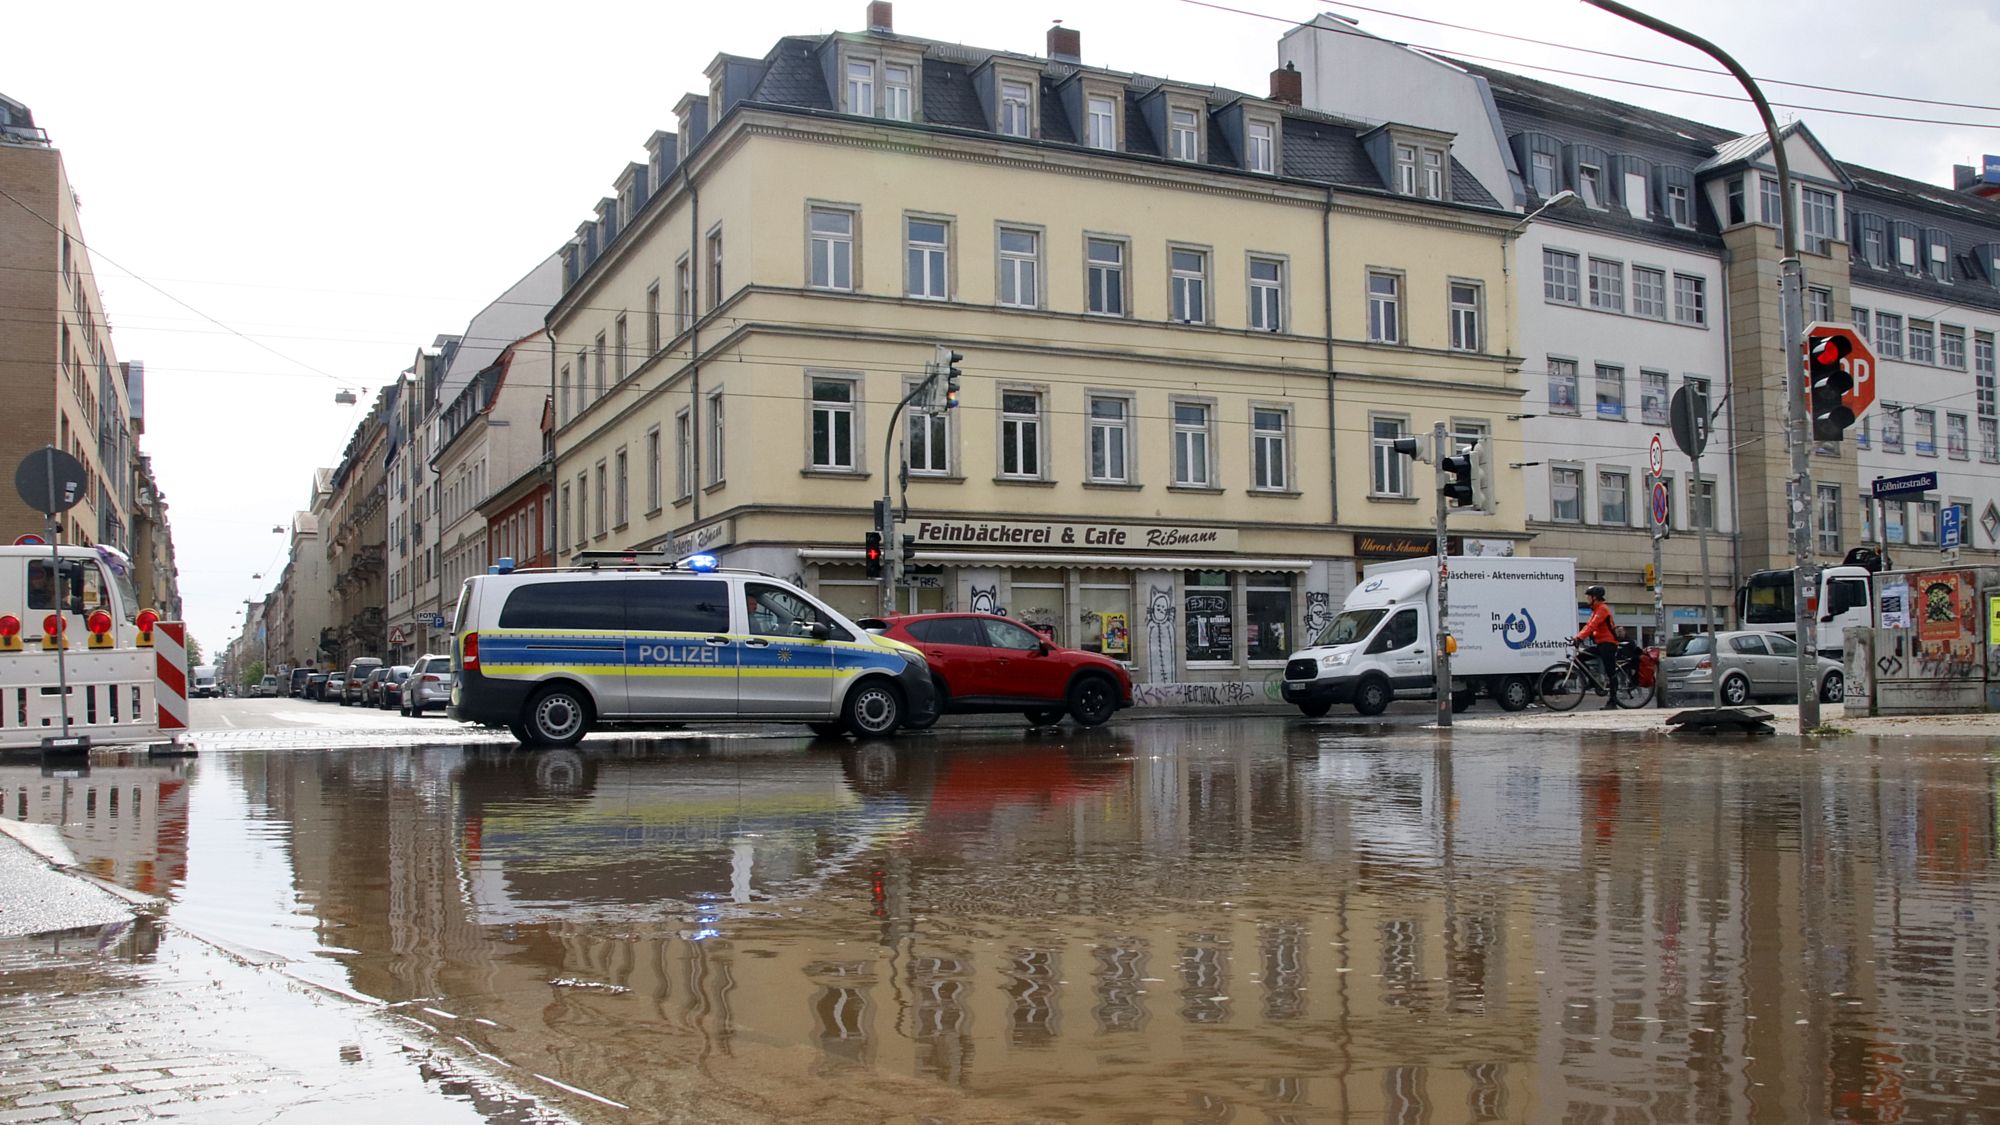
[
  {"x": 1561, "y": 686},
  {"x": 1630, "y": 694}
]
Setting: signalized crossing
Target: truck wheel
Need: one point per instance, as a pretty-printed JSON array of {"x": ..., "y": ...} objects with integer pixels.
[
  {"x": 874, "y": 709},
  {"x": 1317, "y": 709},
  {"x": 1373, "y": 696},
  {"x": 558, "y": 715},
  {"x": 1514, "y": 693}
]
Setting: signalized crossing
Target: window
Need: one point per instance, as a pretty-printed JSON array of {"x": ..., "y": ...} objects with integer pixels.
[
  {"x": 1989, "y": 440},
  {"x": 1104, "y": 276},
  {"x": 861, "y": 88},
  {"x": 1819, "y": 220},
  {"x": 832, "y": 238},
  {"x": 833, "y": 425},
  {"x": 1927, "y": 522},
  {"x": 927, "y": 437},
  {"x": 1888, "y": 335},
  {"x": 623, "y": 487},
  {"x": 1020, "y": 434},
  {"x": 582, "y": 517},
  {"x": 1262, "y": 147},
  {"x": 1678, "y": 206},
  {"x": 1923, "y": 346},
  {"x": 598, "y": 526},
  {"x": 1701, "y": 503},
  {"x": 1737, "y": 214},
  {"x": 679, "y": 605},
  {"x": 1635, "y": 196},
  {"x": 1465, "y": 303},
  {"x": 1269, "y": 466},
  {"x": 1191, "y": 441},
  {"x": 1649, "y": 292},
  {"x": 621, "y": 346},
  {"x": 1559, "y": 277},
  {"x": 1926, "y": 432},
  {"x": 1267, "y": 295},
  {"x": 1267, "y": 605},
  {"x": 683, "y": 296},
  {"x": 1607, "y": 285},
  {"x": 597, "y": 368},
  {"x": 1610, "y": 391},
  {"x": 1014, "y": 109},
  {"x": 1020, "y": 258},
  {"x": 1614, "y": 498},
  {"x": 714, "y": 269},
  {"x": 1957, "y": 437},
  {"x": 683, "y": 455},
  {"x": 565, "y": 606},
  {"x": 1566, "y": 495},
  {"x": 925, "y": 273},
  {"x": 653, "y": 318},
  {"x": 1690, "y": 299},
  {"x": 1406, "y": 169},
  {"x": 653, "y": 469},
  {"x": 1983, "y": 373},
  {"x": 1874, "y": 246},
  {"x": 1769, "y": 200},
  {"x": 1542, "y": 166},
  {"x": 1906, "y": 252},
  {"x": 1892, "y": 428},
  {"x": 1819, "y": 303},
  {"x": 1184, "y": 134},
  {"x": 1110, "y": 436},
  {"x": 1590, "y": 185},
  {"x": 564, "y": 413},
  {"x": 715, "y": 432},
  {"x": 1940, "y": 256},
  {"x": 1433, "y": 168},
  {"x": 1207, "y": 603},
  {"x": 1860, "y": 316},
  {"x": 1653, "y": 398},
  {"x": 1895, "y": 521},
  {"x": 896, "y": 92},
  {"x": 1385, "y": 308},
  {"x": 1951, "y": 347},
  {"x": 1100, "y": 124},
  {"x": 1390, "y": 473},
  {"x": 1189, "y": 289},
  {"x": 1562, "y": 386}
]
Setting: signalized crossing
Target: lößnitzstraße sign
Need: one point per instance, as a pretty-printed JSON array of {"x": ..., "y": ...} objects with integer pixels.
[{"x": 1073, "y": 536}]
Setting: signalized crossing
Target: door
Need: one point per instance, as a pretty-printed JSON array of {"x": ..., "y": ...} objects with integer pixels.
[
  {"x": 1021, "y": 669},
  {"x": 1846, "y": 606},
  {"x": 957, "y": 650},
  {"x": 1399, "y": 644},
  {"x": 1781, "y": 667},
  {"x": 680, "y": 656},
  {"x": 1748, "y": 655},
  {"x": 564, "y": 629},
  {"x": 783, "y": 671}
]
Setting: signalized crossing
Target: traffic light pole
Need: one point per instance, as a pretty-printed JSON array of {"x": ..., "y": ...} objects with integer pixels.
[
  {"x": 1441, "y": 449},
  {"x": 892, "y": 558},
  {"x": 1792, "y": 309}
]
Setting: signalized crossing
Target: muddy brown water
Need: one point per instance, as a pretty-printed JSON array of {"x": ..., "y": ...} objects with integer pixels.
[{"x": 1204, "y": 920}]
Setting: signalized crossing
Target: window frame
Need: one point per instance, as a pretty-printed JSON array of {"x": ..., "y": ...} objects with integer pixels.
[
  {"x": 1184, "y": 138},
  {"x": 1655, "y": 279},
  {"x": 1100, "y": 131},
  {"x": 1694, "y": 311},
  {"x": 1574, "y": 469},
  {"x": 1888, "y": 335},
  {"x": 1260, "y": 153},
  {"x": 1663, "y": 380},
  {"x": 1021, "y": 424},
  {"x": 1269, "y": 308},
  {"x": 1386, "y": 466},
  {"x": 1122, "y": 269},
  {"x": 684, "y": 467},
  {"x": 1923, "y": 419},
  {"x": 1181, "y": 282},
  {"x": 1278, "y": 441},
  {"x": 937, "y": 436},
  {"x": 1575, "y": 377},
  {"x": 832, "y": 241},
  {"x": 851, "y": 411},
  {"x": 1197, "y": 441},
  {"x": 1122, "y": 427},
  {"x": 1004, "y": 259},
  {"x": 1605, "y": 284},
  {"x": 717, "y": 434},
  {"x": 890, "y": 87},
  {"x": 1566, "y": 286},
  {"x": 1393, "y": 301},
  {"x": 1599, "y": 383},
  {"x": 858, "y": 87},
  {"x": 1623, "y": 490},
  {"x": 713, "y": 244},
  {"x": 1467, "y": 318},
  {"x": 654, "y": 469},
  {"x": 1957, "y": 436},
  {"x": 940, "y": 250},
  {"x": 1002, "y": 103}
]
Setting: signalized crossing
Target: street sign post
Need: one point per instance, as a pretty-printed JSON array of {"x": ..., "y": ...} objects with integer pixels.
[
  {"x": 1951, "y": 530},
  {"x": 1660, "y": 501},
  {"x": 52, "y": 482}
]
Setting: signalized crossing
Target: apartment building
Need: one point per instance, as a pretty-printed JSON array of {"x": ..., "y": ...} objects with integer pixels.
[
  {"x": 1193, "y": 323},
  {"x": 354, "y": 538},
  {"x": 520, "y": 513},
  {"x": 488, "y": 435}
]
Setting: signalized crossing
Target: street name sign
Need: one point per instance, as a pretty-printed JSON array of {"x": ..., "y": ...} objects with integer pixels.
[{"x": 1904, "y": 485}]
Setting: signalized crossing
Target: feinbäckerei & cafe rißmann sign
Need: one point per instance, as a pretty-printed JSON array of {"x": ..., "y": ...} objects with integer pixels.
[{"x": 1073, "y": 536}]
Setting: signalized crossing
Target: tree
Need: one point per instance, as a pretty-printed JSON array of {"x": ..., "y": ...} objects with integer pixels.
[
  {"x": 252, "y": 673},
  {"x": 194, "y": 653}
]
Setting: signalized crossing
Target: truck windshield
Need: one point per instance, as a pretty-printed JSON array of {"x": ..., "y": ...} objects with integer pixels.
[
  {"x": 1767, "y": 598},
  {"x": 1351, "y": 626}
]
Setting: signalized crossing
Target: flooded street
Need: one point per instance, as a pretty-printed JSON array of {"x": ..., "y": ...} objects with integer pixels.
[{"x": 1239, "y": 919}]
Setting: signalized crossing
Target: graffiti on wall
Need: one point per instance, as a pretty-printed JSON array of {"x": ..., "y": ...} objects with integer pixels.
[
  {"x": 1319, "y": 613},
  {"x": 986, "y": 599},
  {"x": 1224, "y": 693},
  {"x": 1160, "y": 630}
]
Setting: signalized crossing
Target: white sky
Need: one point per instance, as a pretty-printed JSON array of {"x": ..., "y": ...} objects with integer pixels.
[{"x": 343, "y": 183}]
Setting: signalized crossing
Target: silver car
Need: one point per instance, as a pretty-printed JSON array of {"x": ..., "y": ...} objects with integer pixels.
[
  {"x": 1754, "y": 665},
  {"x": 428, "y": 687}
]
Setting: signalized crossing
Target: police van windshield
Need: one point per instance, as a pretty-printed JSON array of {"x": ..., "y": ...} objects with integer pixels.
[{"x": 1350, "y": 626}]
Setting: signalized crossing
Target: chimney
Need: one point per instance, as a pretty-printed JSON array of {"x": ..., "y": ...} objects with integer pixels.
[
  {"x": 1065, "y": 44},
  {"x": 1287, "y": 85},
  {"x": 881, "y": 17}
]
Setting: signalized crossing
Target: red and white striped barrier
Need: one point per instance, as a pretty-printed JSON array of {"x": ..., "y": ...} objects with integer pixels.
[{"x": 170, "y": 649}]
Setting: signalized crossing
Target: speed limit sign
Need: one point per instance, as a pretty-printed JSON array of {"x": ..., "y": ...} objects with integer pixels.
[{"x": 1656, "y": 456}]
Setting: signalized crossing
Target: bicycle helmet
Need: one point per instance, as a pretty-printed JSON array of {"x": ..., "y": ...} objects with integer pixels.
[{"x": 1593, "y": 591}]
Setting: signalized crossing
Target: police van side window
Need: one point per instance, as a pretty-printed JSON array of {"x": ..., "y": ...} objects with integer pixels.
[
  {"x": 677, "y": 606},
  {"x": 775, "y": 612},
  {"x": 565, "y": 605}
]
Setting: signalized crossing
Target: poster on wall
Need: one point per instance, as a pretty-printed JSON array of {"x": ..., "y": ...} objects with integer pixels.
[
  {"x": 1209, "y": 636},
  {"x": 1896, "y": 606},
  {"x": 1937, "y": 608},
  {"x": 1115, "y": 634}
]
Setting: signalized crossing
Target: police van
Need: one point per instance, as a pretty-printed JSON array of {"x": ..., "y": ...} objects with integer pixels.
[{"x": 550, "y": 654}]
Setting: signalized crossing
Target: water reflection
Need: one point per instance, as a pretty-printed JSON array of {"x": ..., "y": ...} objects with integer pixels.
[
  {"x": 125, "y": 817},
  {"x": 1226, "y": 920}
]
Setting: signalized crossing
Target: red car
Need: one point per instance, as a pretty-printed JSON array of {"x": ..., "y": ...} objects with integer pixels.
[{"x": 983, "y": 663}]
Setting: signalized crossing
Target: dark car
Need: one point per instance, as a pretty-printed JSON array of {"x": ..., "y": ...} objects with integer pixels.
[
  {"x": 983, "y": 663},
  {"x": 296, "y": 688},
  {"x": 354, "y": 688},
  {"x": 389, "y": 692},
  {"x": 316, "y": 686},
  {"x": 371, "y": 688}
]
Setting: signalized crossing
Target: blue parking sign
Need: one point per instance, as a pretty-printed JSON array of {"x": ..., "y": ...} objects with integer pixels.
[{"x": 1949, "y": 530}]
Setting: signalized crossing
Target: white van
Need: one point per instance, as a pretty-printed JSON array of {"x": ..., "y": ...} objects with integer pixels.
[
  {"x": 201, "y": 682},
  {"x": 1510, "y": 618},
  {"x": 549, "y": 654}
]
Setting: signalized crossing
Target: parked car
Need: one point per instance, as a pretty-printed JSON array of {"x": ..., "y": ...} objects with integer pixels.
[
  {"x": 335, "y": 690},
  {"x": 428, "y": 687},
  {"x": 264, "y": 688},
  {"x": 983, "y": 663},
  {"x": 1754, "y": 665},
  {"x": 371, "y": 687},
  {"x": 389, "y": 692},
  {"x": 316, "y": 686},
  {"x": 296, "y": 686},
  {"x": 354, "y": 689}
]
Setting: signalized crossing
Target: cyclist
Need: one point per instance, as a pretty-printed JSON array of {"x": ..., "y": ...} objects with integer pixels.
[{"x": 1602, "y": 631}]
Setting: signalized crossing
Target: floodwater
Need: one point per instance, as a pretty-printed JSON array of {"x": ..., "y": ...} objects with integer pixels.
[{"x": 1249, "y": 920}]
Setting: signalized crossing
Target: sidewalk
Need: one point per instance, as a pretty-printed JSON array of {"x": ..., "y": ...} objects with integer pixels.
[{"x": 1785, "y": 719}]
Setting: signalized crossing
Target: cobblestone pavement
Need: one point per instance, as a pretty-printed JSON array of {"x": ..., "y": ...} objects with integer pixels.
[{"x": 137, "y": 1022}]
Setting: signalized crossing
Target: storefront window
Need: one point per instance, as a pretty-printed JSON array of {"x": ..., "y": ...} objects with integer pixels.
[
  {"x": 1105, "y": 613},
  {"x": 1037, "y": 601},
  {"x": 1267, "y": 611},
  {"x": 1207, "y": 606}
]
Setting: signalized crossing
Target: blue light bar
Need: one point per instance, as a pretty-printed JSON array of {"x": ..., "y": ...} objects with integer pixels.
[{"x": 700, "y": 564}]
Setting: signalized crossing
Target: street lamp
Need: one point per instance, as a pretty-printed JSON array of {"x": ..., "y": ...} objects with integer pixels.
[{"x": 1563, "y": 198}]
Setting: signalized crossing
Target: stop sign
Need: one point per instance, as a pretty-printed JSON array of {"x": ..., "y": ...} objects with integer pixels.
[{"x": 1859, "y": 364}]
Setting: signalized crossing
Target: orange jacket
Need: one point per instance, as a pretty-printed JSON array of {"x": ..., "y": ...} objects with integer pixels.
[{"x": 1600, "y": 629}]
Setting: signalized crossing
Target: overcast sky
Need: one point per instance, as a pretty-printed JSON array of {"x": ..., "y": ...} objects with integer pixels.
[{"x": 343, "y": 183}]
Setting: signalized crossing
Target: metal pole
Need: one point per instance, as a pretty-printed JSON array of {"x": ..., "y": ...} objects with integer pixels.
[
  {"x": 891, "y": 552},
  {"x": 1792, "y": 304},
  {"x": 1707, "y": 580},
  {"x": 1441, "y": 448},
  {"x": 1659, "y": 577},
  {"x": 56, "y": 584}
]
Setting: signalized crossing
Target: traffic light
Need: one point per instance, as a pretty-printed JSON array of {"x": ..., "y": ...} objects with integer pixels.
[
  {"x": 909, "y": 549},
  {"x": 948, "y": 360},
  {"x": 1483, "y": 499},
  {"x": 1829, "y": 383},
  {"x": 872, "y": 548},
  {"x": 1458, "y": 479},
  {"x": 1412, "y": 448}
]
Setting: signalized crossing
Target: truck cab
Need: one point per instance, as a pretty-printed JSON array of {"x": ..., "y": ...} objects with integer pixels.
[
  {"x": 1844, "y": 597},
  {"x": 1377, "y": 646}
]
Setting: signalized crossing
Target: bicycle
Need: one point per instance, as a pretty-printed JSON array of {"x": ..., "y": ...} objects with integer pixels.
[{"x": 1562, "y": 686}]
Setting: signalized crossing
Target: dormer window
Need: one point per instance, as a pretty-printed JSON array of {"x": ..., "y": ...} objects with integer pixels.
[
  {"x": 861, "y": 88},
  {"x": 1015, "y": 100},
  {"x": 1433, "y": 169},
  {"x": 1420, "y": 171},
  {"x": 1260, "y": 147},
  {"x": 1544, "y": 173},
  {"x": 1590, "y": 185},
  {"x": 897, "y": 92},
  {"x": 1940, "y": 255},
  {"x": 1906, "y": 252},
  {"x": 1678, "y": 206},
  {"x": 1184, "y": 134},
  {"x": 1100, "y": 123}
]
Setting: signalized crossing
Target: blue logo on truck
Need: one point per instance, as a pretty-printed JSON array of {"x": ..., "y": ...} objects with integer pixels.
[{"x": 1518, "y": 631}]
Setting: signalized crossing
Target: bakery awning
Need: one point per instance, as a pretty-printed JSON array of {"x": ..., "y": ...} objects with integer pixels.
[{"x": 927, "y": 556}]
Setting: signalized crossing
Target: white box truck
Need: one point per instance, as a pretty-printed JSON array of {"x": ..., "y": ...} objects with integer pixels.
[
  {"x": 1510, "y": 618},
  {"x": 201, "y": 684}
]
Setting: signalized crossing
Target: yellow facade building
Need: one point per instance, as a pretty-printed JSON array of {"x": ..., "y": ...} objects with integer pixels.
[{"x": 1191, "y": 322}]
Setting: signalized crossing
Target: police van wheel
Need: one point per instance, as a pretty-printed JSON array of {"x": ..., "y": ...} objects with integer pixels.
[
  {"x": 873, "y": 709},
  {"x": 557, "y": 716}
]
